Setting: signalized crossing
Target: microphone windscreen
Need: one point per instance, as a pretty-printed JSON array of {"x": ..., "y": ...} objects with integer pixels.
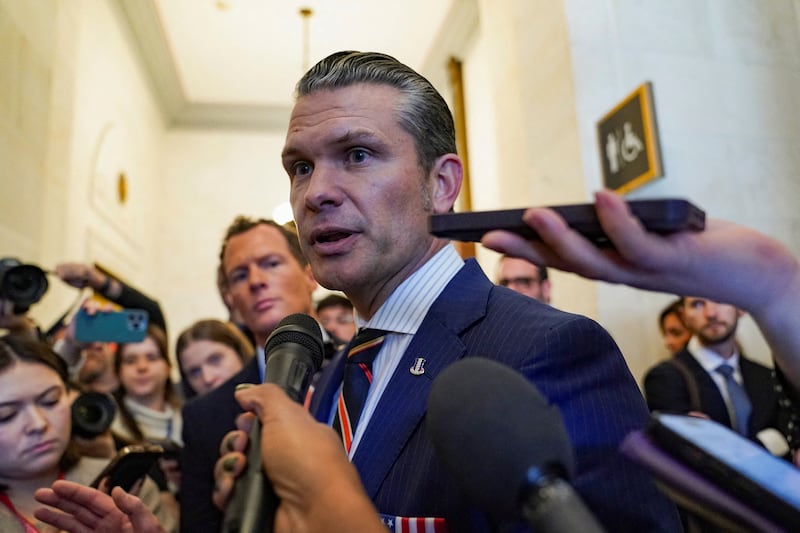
[
  {"x": 489, "y": 425},
  {"x": 301, "y": 329}
]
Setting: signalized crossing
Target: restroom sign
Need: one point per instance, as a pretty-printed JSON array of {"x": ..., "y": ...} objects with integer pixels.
[{"x": 628, "y": 142}]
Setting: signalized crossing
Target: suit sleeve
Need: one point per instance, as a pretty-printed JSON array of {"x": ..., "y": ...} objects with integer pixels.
[{"x": 583, "y": 372}]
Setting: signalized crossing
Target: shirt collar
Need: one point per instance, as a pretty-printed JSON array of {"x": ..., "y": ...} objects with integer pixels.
[
  {"x": 709, "y": 359},
  {"x": 406, "y": 307}
]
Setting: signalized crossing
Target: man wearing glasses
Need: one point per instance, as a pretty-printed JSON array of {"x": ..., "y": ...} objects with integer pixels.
[{"x": 524, "y": 277}]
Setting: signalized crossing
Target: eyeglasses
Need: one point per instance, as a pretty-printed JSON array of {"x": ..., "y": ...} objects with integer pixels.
[
  {"x": 341, "y": 320},
  {"x": 525, "y": 283}
]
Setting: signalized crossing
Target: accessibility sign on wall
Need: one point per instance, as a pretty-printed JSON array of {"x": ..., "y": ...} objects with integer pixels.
[{"x": 628, "y": 141}]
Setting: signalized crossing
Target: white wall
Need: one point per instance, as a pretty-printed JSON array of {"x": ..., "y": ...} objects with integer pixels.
[
  {"x": 75, "y": 109},
  {"x": 727, "y": 99},
  {"x": 209, "y": 178},
  {"x": 78, "y": 111}
]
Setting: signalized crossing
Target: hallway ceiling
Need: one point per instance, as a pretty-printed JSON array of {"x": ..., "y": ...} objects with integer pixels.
[{"x": 235, "y": 62}]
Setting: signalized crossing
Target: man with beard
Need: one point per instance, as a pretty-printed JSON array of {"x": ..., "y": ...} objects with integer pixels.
[{"x": 696, "y": 380}]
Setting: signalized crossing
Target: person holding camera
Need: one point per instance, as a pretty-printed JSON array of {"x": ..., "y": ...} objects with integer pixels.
[{"x": 36, "y": 448}]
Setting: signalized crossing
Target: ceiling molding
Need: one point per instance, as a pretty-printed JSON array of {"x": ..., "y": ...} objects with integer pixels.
[{"x": 148, "y": 34}]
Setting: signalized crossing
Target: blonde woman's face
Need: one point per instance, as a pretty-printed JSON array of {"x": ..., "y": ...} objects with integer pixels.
[{"x": 208, "y": 364}]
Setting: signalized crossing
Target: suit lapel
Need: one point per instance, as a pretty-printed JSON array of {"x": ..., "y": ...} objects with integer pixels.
[
  {"x": 404, "y": 402},
  {"x": 326, "y": 388}
]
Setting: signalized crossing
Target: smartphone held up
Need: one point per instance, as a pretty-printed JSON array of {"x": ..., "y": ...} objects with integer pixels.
[
  {"x": 126, "y": 325},
  {"x": 663, "y": 216}
]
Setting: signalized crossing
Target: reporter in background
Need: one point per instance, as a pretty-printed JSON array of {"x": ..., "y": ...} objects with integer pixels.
[
  {"x": 674, "y": 332},
  {"x": 81, "y": 275},
  {"x": 92, "y": 363},
  {"x": 35, "y": 428},
  {"x": 318, "y": 487},
  {"x": 149, "y": 410},
  {"x": 337, "y": 317},
  {"x": 209, "y": 352}
]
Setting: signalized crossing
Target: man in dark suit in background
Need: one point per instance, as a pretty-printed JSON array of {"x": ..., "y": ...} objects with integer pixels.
[
  {"x": 267, "y": 278},
  {"x": 370, "y": 154},
  {"x": 695, "y": 381}
]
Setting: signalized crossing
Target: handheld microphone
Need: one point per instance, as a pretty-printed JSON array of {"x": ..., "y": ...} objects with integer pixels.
[
  {"x": 293, "y": 354},
  {"x": 507, "y": 449}
]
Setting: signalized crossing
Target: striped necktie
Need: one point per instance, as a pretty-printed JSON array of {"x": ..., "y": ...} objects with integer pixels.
[
  {"x": 739, "y": 400},
  {"x": 357, "y": 380}
]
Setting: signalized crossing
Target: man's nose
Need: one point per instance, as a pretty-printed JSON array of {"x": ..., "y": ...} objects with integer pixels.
[{"x": 323, "y": 187}]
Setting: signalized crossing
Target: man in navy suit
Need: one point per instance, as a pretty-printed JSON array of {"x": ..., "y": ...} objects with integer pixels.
[
  {"x": 266, "y": 279},
  {"x": 691, "y": 382},
  {"x": 370, "y": 154}
]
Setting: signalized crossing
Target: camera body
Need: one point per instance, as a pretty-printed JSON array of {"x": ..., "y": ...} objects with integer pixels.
[
  {"x": 20, "y": 283},
  {"x": 92, "y": 414}
]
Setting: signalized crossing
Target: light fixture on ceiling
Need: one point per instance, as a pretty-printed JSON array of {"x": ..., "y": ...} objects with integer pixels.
[{"x": 305, "y": 13}]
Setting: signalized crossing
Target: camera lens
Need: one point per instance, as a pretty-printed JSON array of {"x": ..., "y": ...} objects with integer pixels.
[
  {"x": 92, "y": 414},
  {"x": 22, "y": 284}
]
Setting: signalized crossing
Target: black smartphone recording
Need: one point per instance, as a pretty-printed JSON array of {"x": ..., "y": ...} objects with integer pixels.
[
  {"x": 663, "y": 216},
  {"x": 129, "y": 466}
]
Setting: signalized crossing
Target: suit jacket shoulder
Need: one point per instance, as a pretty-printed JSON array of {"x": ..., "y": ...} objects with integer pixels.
[{"x": 573, "y": 362}]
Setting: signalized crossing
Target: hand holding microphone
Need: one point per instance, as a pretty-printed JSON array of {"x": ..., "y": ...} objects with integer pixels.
[{"x": 293, "y": 353}]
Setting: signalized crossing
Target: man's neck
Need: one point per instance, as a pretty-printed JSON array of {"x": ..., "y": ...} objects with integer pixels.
[
  {"x": 724, "y": 349},
  {"x": 367, "y": 304}
]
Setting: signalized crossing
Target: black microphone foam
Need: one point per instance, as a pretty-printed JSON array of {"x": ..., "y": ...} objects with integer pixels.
[
  {"x": 293, "y": 354},
  {"x": 489, "y": 425}
]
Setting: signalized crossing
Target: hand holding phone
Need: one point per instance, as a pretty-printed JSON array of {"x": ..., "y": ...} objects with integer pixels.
[
  {"x": 129, "y": 466},
  {"x": 127, "y": 325},
  {"x": 752, "y": 478}
]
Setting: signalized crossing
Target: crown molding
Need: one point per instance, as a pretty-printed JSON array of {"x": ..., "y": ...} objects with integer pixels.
[{"x": 147, "y": 32}]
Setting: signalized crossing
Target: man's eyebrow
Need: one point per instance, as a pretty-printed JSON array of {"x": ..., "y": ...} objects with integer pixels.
[{"x": 348, "y": 137}]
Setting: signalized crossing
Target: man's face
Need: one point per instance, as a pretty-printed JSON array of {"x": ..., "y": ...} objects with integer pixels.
[
  {"x": 359, "y": 197},
  {"x": 711, "y": 322},
  {"x": 265, "y": 281},
  {"x": 339, "y": 321},
  {"x": 98, "y": 359},
  {"x": 523, "y": 277}
]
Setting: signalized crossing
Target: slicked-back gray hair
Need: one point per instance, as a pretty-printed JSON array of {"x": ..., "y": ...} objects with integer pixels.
[{"x": 422, "y": 112}]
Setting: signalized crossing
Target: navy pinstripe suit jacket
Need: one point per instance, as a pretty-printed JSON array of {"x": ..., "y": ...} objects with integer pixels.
[{"x": 570, "y": 359}]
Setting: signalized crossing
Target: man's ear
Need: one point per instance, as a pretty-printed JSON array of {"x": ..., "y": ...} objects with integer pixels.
[{"x": 448, "y": 172}]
